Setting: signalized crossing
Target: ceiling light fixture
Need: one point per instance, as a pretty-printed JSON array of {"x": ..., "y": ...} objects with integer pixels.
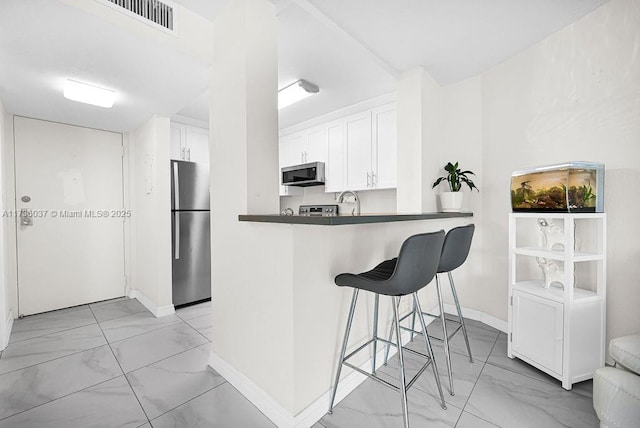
[
  {"x": 89, "y": 94},
  {"x": 295, "y": 92}
]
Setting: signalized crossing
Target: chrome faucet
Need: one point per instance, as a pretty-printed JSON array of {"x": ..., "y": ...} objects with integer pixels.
[{"x": 356, "y": 210}]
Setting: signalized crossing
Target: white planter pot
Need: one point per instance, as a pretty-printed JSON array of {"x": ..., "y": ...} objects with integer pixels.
[{"x": 451, "y": 202}]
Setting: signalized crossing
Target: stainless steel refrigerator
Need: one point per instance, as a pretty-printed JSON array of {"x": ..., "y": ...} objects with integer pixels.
[{"x": 190, "y": 231}]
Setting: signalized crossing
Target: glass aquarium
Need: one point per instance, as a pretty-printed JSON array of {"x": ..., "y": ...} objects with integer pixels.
[{"x": 569, "y": 187}]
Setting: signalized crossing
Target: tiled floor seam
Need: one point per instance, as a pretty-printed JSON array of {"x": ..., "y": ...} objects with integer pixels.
[
  {"x": 56, "y": 332},
  {"x": 54, "y": 359},
  {"x": 550, "y": 381},
  {"x": 61, "y": 397},
  {"x": 123, "y": 372},
  {"x": 476, "y": 382},
  {"x": 166, "y": 358},
  {"x": 197, "y": 331},
  {"x": 140, "y": 334},
  {"x": 188, "y": 401}
]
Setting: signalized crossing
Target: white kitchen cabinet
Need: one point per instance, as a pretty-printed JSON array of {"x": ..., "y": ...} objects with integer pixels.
[
  {"x": 560, "y": 329},
  {"x": 189, "y": 143},
  {"x": 385, "y": 147},
  {"x": 335, "y": 166},
  {"x": 358, "y": 151},
  {"x": 370, "y": 149},
  {"x": 302, "y": 147}
]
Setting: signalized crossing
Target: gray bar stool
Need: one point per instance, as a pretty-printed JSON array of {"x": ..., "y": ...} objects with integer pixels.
[
  {"x": 455, "y": 251},
  {"x": 416, "y": 266}
]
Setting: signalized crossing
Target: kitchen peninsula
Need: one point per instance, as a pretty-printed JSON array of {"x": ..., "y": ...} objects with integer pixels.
[{"x": 285, "y": 286}]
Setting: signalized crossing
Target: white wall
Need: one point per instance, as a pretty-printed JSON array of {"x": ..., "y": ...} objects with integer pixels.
[
  {"x": 5, "y": 305},
  {"x": 573, "y": 96},
  {"x": 150, "y": 196}
]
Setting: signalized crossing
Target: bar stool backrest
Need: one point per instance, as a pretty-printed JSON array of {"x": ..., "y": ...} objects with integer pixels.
[
  {"x": 456, "y": 248},
  {"x": 417, "y": 263}
]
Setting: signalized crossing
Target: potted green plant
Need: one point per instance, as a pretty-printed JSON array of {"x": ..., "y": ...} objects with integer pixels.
[{"x": 451, "y": 201}]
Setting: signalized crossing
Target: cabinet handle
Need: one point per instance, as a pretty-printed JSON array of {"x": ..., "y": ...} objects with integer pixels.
[
  {"x": 189, "y": 154},
  {"x": 373, "y": 179},
  {"x": 184, "y": 156},
  {"x": 368, "y": 179}
]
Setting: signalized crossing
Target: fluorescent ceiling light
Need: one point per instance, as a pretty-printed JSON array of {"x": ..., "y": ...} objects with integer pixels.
[
  {"x": 295, "y": 92},
  {"x": 89, "y": 94}
]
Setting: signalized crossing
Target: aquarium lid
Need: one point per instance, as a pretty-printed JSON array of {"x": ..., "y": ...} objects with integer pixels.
[{"x": 566, "y": 165}]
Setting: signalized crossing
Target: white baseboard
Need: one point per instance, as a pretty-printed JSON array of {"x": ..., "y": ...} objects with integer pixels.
[
  {"x": 158, "y": 311},
  {"x": 316, "y": 410},
  {"x": 7, "y": 331},
  {"x": 472, "y": 314},
  {"x": 252, "y": 392}
]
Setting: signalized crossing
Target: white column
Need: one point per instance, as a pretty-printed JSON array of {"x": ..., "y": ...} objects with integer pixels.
[
  {"x": 419, "y": 140},
  {"x": 251, "y": 265}
]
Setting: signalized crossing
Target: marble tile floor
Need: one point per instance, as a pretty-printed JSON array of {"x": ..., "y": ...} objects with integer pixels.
[
  {"x": 114, "y": 364},
  {"x": 494, "y": 391}
]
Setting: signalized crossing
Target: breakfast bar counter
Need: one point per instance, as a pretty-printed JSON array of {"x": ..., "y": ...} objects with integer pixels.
[{"x": 348, "y": 219}]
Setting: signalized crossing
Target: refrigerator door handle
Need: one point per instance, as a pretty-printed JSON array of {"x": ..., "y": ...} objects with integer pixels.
[
  {"x": 176, "y": 251},
  {"x": 176, "y": 187}
]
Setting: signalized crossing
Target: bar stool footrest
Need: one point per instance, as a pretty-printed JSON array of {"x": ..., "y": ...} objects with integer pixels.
[{"x": 379, "y": 379}]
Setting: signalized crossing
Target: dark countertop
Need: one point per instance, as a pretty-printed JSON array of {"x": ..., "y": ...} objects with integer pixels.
[{"x": 347, "y": 219}]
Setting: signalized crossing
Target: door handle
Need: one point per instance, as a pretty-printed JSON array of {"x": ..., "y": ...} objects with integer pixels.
[
  {"x": 176, "y": 250},
  {"x": 26, "y": 219},
  {"x": 189, "y": 154},
  {"x": 176, "y": 187}
]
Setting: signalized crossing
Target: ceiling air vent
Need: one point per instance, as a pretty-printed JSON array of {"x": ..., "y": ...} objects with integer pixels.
[{"x": 153, "y": 11}]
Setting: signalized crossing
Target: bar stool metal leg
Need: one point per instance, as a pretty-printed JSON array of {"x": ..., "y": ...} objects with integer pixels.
[
  {"x": 413, "y": 321},
  {"x": 427, "y": 342},
  {"x": 403, "y": 383},
  {"x": 460, "y": 318},
  {"x": 391, "y": 329},
  {"x": 446, "y": 336},
  {"x": 344, "y": 347},
  {"x": 375, "y": 332}
]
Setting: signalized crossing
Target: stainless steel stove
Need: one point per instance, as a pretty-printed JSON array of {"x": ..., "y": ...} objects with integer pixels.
[{"x": 318, "y": 210}]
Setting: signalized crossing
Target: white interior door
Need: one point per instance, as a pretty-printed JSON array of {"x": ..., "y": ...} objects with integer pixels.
[{"x": 69, "y": 197}]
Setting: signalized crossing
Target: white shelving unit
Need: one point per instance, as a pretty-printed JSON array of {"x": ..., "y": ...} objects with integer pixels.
[{"x": 561, "y": 329}]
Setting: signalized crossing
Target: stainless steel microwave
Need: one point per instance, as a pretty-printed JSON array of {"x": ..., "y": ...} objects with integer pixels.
[{"x": 308, "y": 174}]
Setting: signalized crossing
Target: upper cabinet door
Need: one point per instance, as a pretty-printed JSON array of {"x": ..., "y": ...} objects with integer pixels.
[
  {"x": 197, "y": 144},
  {"x": 316, "y": 147},
  {"x": 189, "y": 143},
  {"x": 177, "y": 141},
  {"x": 357, "y": 140},
  {"x": 335, "y": 167},
  {"x": 385, "y": 147},
  {"x": 291, "y": 150}
]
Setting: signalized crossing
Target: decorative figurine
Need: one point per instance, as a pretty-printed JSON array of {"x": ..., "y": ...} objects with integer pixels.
[
  {"x": 552, "y": 235},
  {"x": 552, "y": 240},
  {"x": 552, "y": 272}
]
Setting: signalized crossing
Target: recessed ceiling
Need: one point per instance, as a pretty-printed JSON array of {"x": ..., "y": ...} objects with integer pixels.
[{"x": 352, "y": 49}]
